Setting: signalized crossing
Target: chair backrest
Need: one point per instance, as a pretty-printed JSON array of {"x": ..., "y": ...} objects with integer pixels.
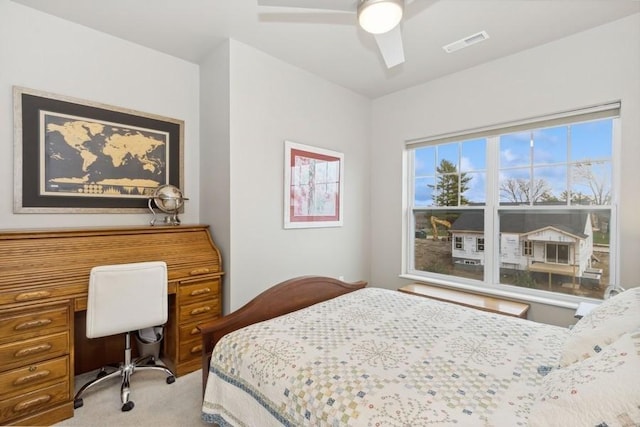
[{"x": 126, "y": 297}]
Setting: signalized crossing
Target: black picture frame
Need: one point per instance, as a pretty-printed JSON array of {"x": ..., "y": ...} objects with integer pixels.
[{"x": 78, "y": 156}]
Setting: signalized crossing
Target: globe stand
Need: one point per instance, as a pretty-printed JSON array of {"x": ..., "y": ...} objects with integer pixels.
[{"x": 170, "y": 219}]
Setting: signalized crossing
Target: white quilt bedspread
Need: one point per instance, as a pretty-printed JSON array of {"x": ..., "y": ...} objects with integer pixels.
[{"x": 377, "y": 357}]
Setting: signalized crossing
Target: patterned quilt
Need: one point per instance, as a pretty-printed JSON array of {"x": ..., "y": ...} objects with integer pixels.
[{"x": 377, "y": 357}]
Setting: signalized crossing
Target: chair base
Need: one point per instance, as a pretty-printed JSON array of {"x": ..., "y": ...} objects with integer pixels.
[{"x": 125, "y": 370}]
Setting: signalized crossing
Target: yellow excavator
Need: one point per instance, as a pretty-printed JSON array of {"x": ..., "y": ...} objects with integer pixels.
[{"x": 434, "y": 225}]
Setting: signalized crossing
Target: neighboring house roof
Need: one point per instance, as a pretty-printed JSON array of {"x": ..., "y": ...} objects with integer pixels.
[
  {"x": 523, "y": 223},
  {"x": 469, "y": 221}
]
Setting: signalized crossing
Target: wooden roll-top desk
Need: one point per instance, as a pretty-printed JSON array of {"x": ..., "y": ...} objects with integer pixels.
[{"x": 44, "y": 278}]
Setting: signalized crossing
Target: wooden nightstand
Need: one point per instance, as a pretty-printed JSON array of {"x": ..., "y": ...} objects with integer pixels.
[{"x": 480, "y": 302}]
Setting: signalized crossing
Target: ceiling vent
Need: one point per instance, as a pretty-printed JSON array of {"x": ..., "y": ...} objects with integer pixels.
[{"x": 466, "y": 42}]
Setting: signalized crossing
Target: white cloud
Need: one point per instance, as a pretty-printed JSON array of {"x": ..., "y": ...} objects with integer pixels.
[
  {"x": 466, "y": 164},
  {"x": 508, "y": 155}
]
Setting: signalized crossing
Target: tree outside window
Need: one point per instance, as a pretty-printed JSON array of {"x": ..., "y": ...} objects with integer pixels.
[{"x": 451, "y": 185}]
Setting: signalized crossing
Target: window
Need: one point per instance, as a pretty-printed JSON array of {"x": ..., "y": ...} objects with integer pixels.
[
  {"x": 557, "y": 254},
  {"x": 537, "y": 195}
]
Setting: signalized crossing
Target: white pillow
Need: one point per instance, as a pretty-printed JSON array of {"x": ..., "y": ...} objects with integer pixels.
[
  {"x": 603, "y": 390},
  {"x": 602, "y": 326}
]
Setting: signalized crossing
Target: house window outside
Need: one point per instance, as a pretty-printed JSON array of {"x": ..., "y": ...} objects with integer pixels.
[
  {"x": 557, "y": 254},
  {"x": 549, "y": 183}
]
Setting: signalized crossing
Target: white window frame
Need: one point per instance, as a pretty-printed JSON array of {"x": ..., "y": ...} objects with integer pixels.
[{"x": 491, "y": 283}]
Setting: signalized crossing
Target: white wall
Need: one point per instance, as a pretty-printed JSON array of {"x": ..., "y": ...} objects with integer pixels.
[
  {"x": 46, "y": 53},
  {"x": 215, "y": 149},
  {"x": 599, "y": 65},
  {"x": 271, "y": 101}
]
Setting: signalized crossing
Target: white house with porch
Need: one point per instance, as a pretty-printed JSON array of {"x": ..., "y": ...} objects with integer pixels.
[{"x": 558, "y": 244}]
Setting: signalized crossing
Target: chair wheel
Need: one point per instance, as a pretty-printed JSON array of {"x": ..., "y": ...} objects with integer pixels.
[
  {"x": 127, "y": 406},
  {"x": 171, "y": 379},
  {"x": 78, "y": 403}
]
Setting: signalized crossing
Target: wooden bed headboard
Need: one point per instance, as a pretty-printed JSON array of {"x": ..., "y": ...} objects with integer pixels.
[{"x": 285, "y": 297}]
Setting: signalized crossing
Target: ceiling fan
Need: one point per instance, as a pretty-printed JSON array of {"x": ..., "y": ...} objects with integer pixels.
[{"x": 379, "y": 17}]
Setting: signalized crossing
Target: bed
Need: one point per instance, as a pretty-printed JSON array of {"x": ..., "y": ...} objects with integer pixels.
[{"x": 363, "y": 356}]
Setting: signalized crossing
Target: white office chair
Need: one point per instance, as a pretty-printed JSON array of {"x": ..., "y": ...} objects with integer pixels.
[{"x": 125, "y": 298}]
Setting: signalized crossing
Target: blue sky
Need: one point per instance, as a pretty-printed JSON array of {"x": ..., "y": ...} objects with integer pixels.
[{"x": 550, "y": 154}]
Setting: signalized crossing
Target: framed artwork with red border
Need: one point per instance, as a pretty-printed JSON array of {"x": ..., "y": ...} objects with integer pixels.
[{"x": 313, "y": 186}]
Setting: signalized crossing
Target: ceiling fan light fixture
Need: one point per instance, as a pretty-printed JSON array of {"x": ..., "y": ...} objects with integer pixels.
[{"x": 379, "y": 16}]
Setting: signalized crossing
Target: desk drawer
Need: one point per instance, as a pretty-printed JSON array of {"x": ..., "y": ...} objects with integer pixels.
[
  {"x": 206, "y": 289},
  {"x": 190, "y": 351},
  {"x": 40, "y": 294},
  {"x": 27, "y": 323},
  {"x": 199, "y": 311},
  {"x": 25, "y": 380},
  {"x": 189, "y": 332},
  {"x": 21, "y": 353},
  {"x": 35, "y": 401}
]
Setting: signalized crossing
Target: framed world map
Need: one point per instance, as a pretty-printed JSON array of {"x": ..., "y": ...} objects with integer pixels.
[{"x": 80, "y": 156}]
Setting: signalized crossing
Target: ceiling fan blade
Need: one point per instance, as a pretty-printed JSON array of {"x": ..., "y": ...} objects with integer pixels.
[
  {"x": 390, "y": 45},
  {"x": 345, "y": 5}
]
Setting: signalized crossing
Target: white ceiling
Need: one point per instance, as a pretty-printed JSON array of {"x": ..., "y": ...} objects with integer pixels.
[{"x": 330, "y": 45}]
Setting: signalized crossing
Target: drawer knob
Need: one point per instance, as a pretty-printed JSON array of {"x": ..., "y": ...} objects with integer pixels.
[
  {"x": 28, "y": 296},
  {"x": 33, "y": 377},
  {"x": 196, "y": 349},
  {"x": 33, "y": 324},
  {"x": 200, "y": 292},
  {"x": 194, "y": 331},
  {"x": 33, "y": 402},
  {"x": 200, "y": 310},
  {"x": 197, "y": 271},
  {"x": 32, "y": 350}
]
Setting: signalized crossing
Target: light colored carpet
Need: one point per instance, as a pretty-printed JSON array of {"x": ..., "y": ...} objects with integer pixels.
[{"x": 157, "y": 403}]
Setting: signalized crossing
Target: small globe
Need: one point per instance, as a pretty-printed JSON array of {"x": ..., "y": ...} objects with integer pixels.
[{"x": 168, "y": 198}]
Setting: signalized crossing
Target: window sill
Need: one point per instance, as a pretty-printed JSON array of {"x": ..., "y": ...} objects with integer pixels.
[{"x": 568, "y": 301}]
